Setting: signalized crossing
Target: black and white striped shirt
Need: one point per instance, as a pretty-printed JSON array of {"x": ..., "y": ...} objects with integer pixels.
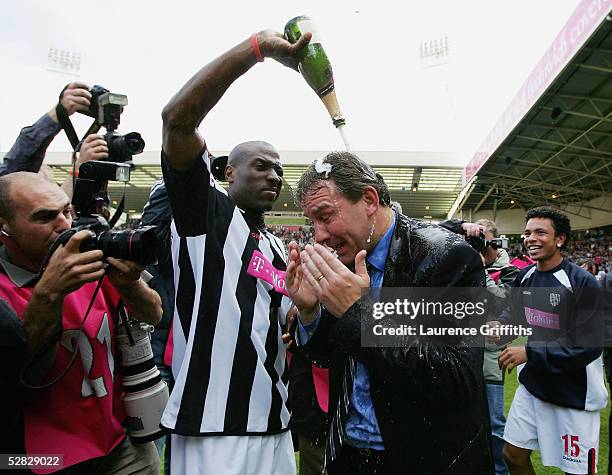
[{"x": 228, "y": 359}]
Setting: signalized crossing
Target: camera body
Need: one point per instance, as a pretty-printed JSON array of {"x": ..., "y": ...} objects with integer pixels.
[
  {"x": 136, "y": 245},
  {"x": 479, "y": 243},
  {"x": 106, "y": 108},
  {"x": 499, "y": 243}
]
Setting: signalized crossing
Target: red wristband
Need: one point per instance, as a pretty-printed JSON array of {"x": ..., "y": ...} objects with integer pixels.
[
  {"x": 255, "y": 46},
  {"x": 73, "y": 173}
]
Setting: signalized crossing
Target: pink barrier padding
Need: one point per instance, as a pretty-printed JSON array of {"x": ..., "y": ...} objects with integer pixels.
[
  {"x": 320, "y": 377},
  {"x": 523, "y": 262}
]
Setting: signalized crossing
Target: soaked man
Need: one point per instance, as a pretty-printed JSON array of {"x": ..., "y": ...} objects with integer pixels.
[{"x": 420, "y": 408}]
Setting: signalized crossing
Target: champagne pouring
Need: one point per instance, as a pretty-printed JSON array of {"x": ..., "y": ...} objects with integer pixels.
[{"x": 315, "y": 67}]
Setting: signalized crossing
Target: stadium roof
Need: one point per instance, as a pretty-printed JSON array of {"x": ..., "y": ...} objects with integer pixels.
[
  {"x": 559, "y": 150},
  {"x": 423, "y": 191}
]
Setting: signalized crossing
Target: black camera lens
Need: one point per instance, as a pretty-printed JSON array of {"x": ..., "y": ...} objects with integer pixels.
[
  {"x": 217, "y": 166},
  {"x": 136, "y": 245},
  {"x": 122, "y": 147},
  {"x": 133, "y": 142}
]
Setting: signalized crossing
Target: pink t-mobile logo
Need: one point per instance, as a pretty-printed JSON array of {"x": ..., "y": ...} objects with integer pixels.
[{"x": 261, "y": 268}]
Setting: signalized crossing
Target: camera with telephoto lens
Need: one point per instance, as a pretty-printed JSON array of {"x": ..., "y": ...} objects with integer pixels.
[
  {"x": 106, "y": 108},
  {"x": 479, "y": 243},
  {"x": 136, "y": 245},
  {"x": 145, "y": 393}
]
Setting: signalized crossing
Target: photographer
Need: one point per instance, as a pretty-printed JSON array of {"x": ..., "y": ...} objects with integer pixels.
[
  {"x": 28, "y": 151},
  {"x": 79, "y": 417},
  {"x": 500, "y": 274}
]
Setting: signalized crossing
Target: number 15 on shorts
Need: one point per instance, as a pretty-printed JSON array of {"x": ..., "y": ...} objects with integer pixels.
[{"x": 570, "y": 445}]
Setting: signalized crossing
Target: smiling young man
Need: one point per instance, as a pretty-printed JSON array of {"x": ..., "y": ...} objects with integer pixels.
[
  {"x": 556, "y": 407},
  {"x": 227, "y": 412}
]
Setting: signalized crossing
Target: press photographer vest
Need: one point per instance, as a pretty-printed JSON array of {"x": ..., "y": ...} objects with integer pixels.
[{"x": 80, "y": 416}]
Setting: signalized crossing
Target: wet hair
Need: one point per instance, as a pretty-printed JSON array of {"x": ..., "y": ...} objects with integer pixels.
[
  {"x": 560, "y": 221},
  {"x": 350, "y": 174},
  {"x": 396, "y": 206},
  {"x": 488, "y": 225}
]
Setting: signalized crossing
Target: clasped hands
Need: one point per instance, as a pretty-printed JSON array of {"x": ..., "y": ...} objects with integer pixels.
[{"x": 315, "y": 275}]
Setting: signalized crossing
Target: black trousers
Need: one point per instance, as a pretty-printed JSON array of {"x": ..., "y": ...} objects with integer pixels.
[{"x": 354, "y": 461}]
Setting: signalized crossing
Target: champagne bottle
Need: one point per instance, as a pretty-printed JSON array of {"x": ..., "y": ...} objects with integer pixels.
[{"x": 314, "y": 65}]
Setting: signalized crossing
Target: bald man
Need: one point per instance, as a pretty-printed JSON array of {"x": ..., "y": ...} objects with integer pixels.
[
  {"x": 227, "y": 412},
  {"x": 244, "y": 188},
  {"x": 52, "y": 305}
]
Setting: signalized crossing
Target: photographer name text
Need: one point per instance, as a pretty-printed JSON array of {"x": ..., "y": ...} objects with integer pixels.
[{"x": 423, "y": 330}]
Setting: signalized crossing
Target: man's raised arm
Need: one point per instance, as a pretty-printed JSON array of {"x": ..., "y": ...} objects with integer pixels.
[
  {"x": 28, "y": 151},
  {"x": 186, "y": 110}
]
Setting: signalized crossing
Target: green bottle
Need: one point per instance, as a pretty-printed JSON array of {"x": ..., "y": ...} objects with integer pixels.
[{"x": 314, "y": 65}]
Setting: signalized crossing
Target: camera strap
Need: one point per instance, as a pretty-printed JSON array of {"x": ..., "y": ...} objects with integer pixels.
[
  {"x": 118, "y": 212},
  {"x": 64, "y": 121},
  {"x": 61, "y": 240},
  {"x": 35, "y": 359},
  {"x": 124, "y": 319}
]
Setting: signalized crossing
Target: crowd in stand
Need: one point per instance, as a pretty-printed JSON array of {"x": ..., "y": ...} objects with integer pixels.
[
  {"x": 301, "y": 234},
  {"x": 594, "y": 248}
]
